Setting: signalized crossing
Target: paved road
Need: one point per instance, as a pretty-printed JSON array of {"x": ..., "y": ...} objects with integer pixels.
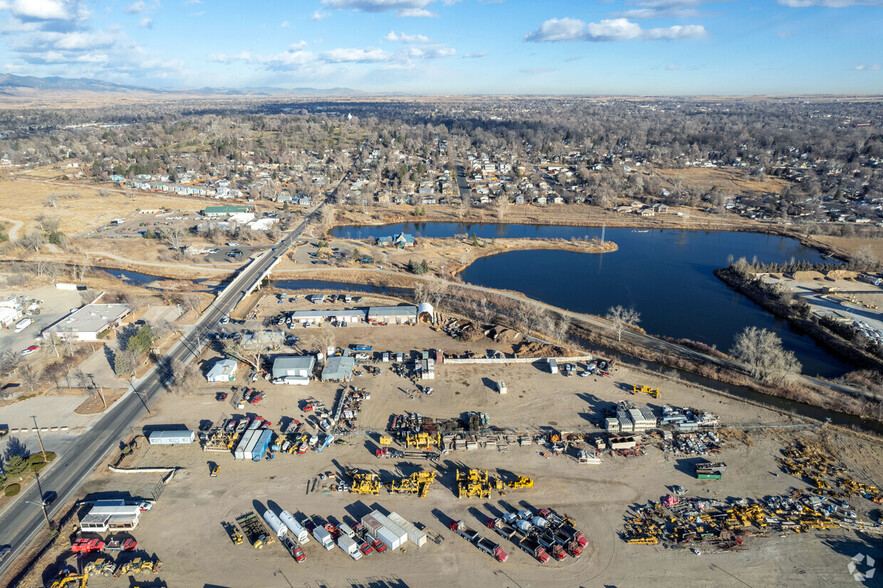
[{"x": 21, "y": 522}]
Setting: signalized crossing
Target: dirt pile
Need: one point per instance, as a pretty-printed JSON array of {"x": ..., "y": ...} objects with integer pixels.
[
  {"x": 534, "y": 349},
  {"x": 503, "y": 335}
]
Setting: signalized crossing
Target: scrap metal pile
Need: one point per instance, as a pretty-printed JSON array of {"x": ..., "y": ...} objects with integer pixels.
[{"x": 677, "y": 521}]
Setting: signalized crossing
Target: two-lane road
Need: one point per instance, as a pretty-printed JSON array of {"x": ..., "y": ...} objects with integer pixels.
[{"x": 21, "y": 522}]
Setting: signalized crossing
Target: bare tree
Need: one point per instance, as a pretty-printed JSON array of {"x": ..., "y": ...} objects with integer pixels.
[
  {"x": 175, "y": 235},
  {"x": 53, "y": 342},
  {"x": 621, "y": 318},
  {"x": 764, "y": 355},
  {"x": 48, "y": 223},
  {"x": 33, "y": 241},
  {"x": 81, "y": 268},
  {"x": 864, "y": 259}
]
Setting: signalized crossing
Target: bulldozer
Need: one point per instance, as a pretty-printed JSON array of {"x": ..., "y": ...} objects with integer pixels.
[
  {"x": 364, "y": 483},
  {"x": 103, "y": 566},
  {"x": 521, "y": 482},
  {"x": 476, "y": 484},
  {"x": 654, "y": 392}
]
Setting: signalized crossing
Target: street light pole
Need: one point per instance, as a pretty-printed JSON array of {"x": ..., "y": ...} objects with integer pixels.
[{"x": 40, "y": 439}]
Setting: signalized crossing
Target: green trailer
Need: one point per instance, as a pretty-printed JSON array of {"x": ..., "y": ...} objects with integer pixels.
[{"x": 714, "y": 476}]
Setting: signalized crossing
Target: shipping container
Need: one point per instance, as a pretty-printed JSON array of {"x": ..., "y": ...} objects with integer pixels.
[
  {"x": 553, "y": 365},
  {"x": 276, "y": 524},
  {"x": 415, "y": 535},
  {"x": 295, "y": 528},
  {"x": 393, "y": 530},
  {"x": 255, "y": 435},
  {"x": 709, "y": 476},
  {"x": 183, "y": 437},
  {"x": 389, "y": 538}
]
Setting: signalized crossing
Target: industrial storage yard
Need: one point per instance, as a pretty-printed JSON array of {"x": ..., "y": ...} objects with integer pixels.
[{"x": 545, "y": 436}]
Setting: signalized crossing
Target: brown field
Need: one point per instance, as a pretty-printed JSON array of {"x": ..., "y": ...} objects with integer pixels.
[
  {"x": 737, "y": 182},
  {"x": 850, "y": 245},
  {"x": 23, "y": 200}
]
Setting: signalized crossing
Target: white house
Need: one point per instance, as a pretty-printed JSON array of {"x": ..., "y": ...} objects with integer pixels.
[{"x": 224, "y": 370}]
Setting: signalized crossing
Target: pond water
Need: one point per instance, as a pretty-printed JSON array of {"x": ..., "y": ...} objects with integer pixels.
[{"x": 665, "y": 274}]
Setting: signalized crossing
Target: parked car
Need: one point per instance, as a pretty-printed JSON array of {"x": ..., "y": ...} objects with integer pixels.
[{"x": 30, "y": 350}]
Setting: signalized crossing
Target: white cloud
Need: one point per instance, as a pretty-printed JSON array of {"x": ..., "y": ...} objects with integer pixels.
[
  {"x": 146, "y": 23},
  {"x": 136, "y": 7},
  {"x": 676, "y": 32},
  {"x": 402, "y": 8},
  {"x": 284, "y": 24},
  {"x": 297, "y": 45},
  {"x": 672, "y": 67},
  {"x": 613, "y": 29},
  {"x": 829, "y": 3},
  {"x": 871, "y": 67},
  {"x": 477, "y": 55},
  {"x": 73, "y": 41},
  {"x": 319, "y": 15},
  {"x": 608, "y": 30},
  {"x": 430, "y": 53},
  {"x": 403, "y": 38},
  {"x": 46, "y": 10},
  {"x": 192, "y": 2},
  {"x": 558, "y": 29},
  {"x": 369, "y": 55}
]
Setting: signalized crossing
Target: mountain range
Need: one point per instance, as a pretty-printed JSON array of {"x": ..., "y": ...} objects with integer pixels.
[{"x": 14, "y": 85}]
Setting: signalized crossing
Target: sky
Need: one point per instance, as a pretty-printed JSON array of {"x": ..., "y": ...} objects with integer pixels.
[{"x": 636, "y": 47}]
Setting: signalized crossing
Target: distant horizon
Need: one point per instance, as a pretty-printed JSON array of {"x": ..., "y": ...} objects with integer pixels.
[
  {"x": 358, "y": 93},
  {"x": 458, "y": 47}
]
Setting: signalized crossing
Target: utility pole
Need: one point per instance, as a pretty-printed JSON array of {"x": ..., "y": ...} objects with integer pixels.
[{"x": 40, "y": 439}]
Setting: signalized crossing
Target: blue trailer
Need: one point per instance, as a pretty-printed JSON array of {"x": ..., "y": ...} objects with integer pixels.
[{"x": 260, "y": 448}]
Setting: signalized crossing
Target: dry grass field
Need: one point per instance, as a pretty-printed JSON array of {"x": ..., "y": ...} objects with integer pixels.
[
  {"x": 737, "y": 182},
  {"x": 24, "y": 200}
]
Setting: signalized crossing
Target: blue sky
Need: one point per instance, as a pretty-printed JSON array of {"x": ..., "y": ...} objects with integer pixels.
[{"x": 647, "y": 47}]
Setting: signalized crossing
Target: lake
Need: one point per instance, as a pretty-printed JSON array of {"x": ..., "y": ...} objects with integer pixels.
[{"x": 665, "y": 274}]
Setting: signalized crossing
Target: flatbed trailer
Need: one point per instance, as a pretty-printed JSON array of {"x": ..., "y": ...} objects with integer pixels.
[
  {"x": 486, "y": 545},
  {"x": 254, "y": 530}
]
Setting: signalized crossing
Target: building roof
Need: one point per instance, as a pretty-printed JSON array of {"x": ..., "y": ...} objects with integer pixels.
[
  {"x": 284, "y": 364},
  {"x": 223, "y": 367},
  {"x": 338, "y": 368},
  {"x": 91, "y": 318},
  {"x": 375, "y": 311},
  {"x": 224, "y": 209},
  {"x": 323, "y": 314}
]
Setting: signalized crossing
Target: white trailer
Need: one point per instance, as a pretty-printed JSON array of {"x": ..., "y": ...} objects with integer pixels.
[
  {"x": 553, "y": 365},
  {"x": 346, "y": 543},
  {"x": 295, "y": 528},
  {"x": 23, "y": 324},
  {"x": 276, "y": 524}
]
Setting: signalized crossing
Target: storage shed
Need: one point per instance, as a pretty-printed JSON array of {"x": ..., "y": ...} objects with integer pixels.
[{"x": 425, "y": 312}]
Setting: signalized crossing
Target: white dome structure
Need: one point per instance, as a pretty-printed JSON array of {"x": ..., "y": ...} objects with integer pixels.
[{"x": 425, "y": 312}]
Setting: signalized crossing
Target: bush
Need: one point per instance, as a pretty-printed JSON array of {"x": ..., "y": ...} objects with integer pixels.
[
  {"x": 36, "y": 467},
  {"x": 12, "y": 489}
]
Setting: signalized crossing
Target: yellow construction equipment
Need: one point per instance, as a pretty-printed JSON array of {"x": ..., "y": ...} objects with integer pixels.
[
  {"x": 364, "y": 483},
  {"x": 417, "y": 483},
  {"x": 385, "y": 440},
  {"x": 521, "y": 482},
  {"x": 102, "y": 566},
  {"x": 139, "y": 565},
  {"x": 71, "y": 580},
  {"x": 474, "y": 484},
  {"x": 422, "y": 440},
  {"x": 644, "y": 541},
  {"x": 214, "y": 471},
  {"x": 654, "y": 392}
]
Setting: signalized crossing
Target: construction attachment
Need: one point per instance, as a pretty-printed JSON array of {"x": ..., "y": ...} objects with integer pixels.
[
  {"x": 417, "y": 483},
  {"x": 654, "y": 392},
  {"x": 364, "y": 482}
]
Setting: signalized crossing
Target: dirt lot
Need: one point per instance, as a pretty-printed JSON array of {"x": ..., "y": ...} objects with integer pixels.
[
  {"x": 851, "y": 244},
  {"x": 184, "y": 529},
  {"x": 23, "y": 200}
]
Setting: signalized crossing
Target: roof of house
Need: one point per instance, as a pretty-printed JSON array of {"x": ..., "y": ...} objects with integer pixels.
[
  {"x": 287, "y": 363},
  {"x": 91, "y": 318},
  {"x": 224, "y": 209},
  {"x": 223, "y": 367},
  {"x": 338, "y": 368}
]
